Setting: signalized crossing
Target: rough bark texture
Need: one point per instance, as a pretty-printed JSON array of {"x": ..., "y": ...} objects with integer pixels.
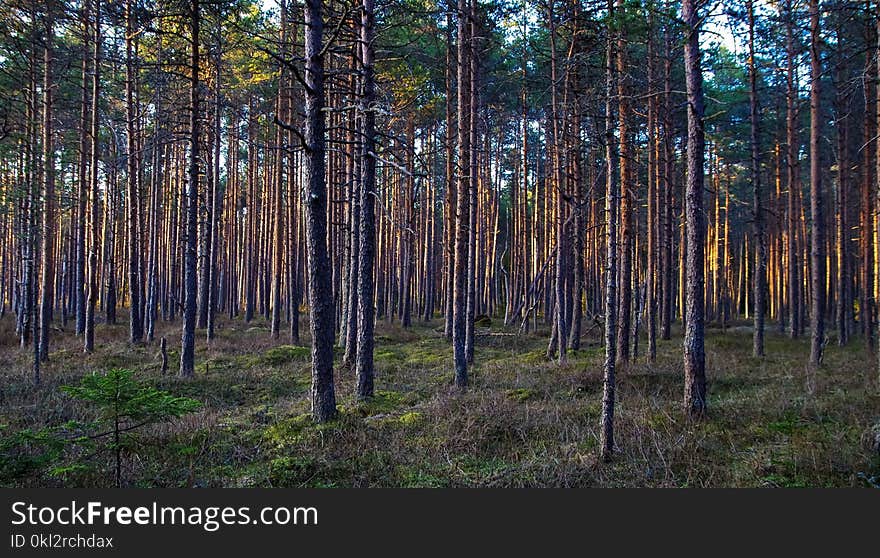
[
  {"x": 132, "y": 202},
  {"x": 367, "y": 235},
  {"x": 817, "y": 248},
  {"x": 321, "y": 307},
  {"x": 188, "y": 332},
  {"x": 95, "y": 203},
  {"x": 47, "y": 252},
  {"x": 760, "y": 240},
  {"x": 612, "y": 193},
  {"x": 694, "y": 351},
  {"x": 459, "y": 303},
  {"x": 624, "y": 322}
]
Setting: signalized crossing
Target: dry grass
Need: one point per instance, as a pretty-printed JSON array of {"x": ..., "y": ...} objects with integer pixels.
[{"x": 523, "y": 422}]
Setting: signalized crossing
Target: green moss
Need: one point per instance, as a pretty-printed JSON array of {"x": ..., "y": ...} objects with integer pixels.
[
  {"x": 284, "y": 354},
  {"x": 419, "y": 477},
  {"x": 382, "y": 402},
  {"x": 292, "y": 470},
  {"x": 522, "y": 394},
  {"x": 788, "y": 425},
  {"x": 533, "y": 357},
  {"x": 287, "y": 431},
  {"x": 411, "y": 418}
]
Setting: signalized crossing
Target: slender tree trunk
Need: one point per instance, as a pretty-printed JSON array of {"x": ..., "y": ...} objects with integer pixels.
[
  {"x": 624, "y": 323},
  {"x": 817, "y": 248},
  {"x": 791, "y": 176},
  {"x": 187, "y": 341},
  {"x": 278, "y": 220},
  {"x": 877, "y": 127},
  {"x": 653, "y": 176},
  {"x": 473, "y": 185},
  {"x": 367, "y": 235},
  {"x": 451, "y": 185},
  {"x": 760, "y": 240},
  {"x": 93, "y": 287},
  {"x": 462, "y": 205},
  {"x": 47, "y": 252},
  {"x": 694, "y": 351},
  {"x": 321, "y": 307},
  {"x": 133, "y": 184},
  {"x": 612, "y": 194},
  {"x": 79, "y": 280}
]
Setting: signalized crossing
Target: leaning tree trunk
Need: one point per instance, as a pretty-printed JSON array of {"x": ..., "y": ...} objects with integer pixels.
[{"x": 694, "y": 350}]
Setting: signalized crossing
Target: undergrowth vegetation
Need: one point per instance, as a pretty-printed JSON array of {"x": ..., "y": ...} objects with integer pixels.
[{"x": 523, "y": 422}]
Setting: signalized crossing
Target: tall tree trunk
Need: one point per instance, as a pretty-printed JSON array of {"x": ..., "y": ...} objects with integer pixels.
[
  {"x": 612, "y": 193},
  {"x": 132, "y": 181},
  {"x": 47, "y": 252},
  {"x": 792, "y": 147},
  {"x": 758, "y": 217},
  {"x": 451, "y": 185},
  {"x": 95, "y": 233},
  {"x": 278, "y": 220},
  {"x": 558, "y": 189},
  {"x": 652, "y": 228},
  {"x": 694, "y": 351},
  {"x": 187, "y": 341},
  {"x": 367, "y": 235},
  {"x": 473, "y": 185},
  {"x": 79, "y": 280},
  {"x": 463, "y": 203},
  {"x": 817, "y": 248},
  {"x": 877, "y": 117},
  {"x": 624, "y": 322},
  {"x": 321, "y": 307}
]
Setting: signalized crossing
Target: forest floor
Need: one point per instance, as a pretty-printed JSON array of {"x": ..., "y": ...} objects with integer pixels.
[{"x": 524, "y": 421}]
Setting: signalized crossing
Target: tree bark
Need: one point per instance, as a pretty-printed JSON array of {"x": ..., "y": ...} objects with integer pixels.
[
  {"x": 321, "y": 306},
  {"x": 187, "y": 341},
  {"x": 694, "y": 351},
  {"x": 367, "y": 234},
  {"x": 133, "y": 184},
  {"x": 817, "y": 248},
  {"x": 758, "y": 217},
  {"x": 612, "y": 193}
]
